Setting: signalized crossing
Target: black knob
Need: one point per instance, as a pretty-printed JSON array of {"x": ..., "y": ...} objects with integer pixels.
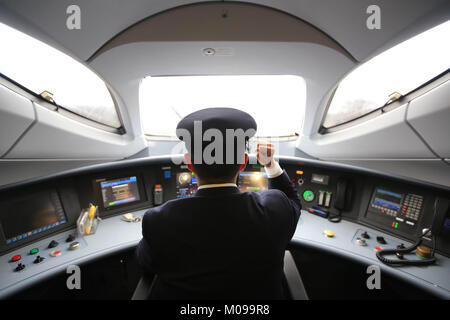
[
  {"x": 53, "y": 244},
  {"x": 381, "y": 240},
  {"x": 38, "y": 259},
  {"x": 399, "y": 255},
  {"x": 401, "y": 246},
  {"x": 70, "y": 238},
  {"x": 19, "y": 267},
  {"x": 365, "y": 235}
]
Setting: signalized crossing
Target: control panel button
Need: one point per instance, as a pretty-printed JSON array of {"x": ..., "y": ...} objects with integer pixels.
[
  {"x": 381, "y": 240},
  {"x": 34, "y": 251},
  {"x": 321, "y": 200},
  {"x": 328, "y": 233},
  {"x": 16, "y": 258},
  {"x": 70, "y": 238},
  {"x": 74, "y": 245},
  {"x": 327, "y": 199},
  {"x": 308, "y": 195},
  {"x": 38, "y": 259},
  {"x": 56, "y": 253},
  {"x": 365, "y": 235},
  {"x": 19, "y": 267},
  {"x": 53, "y": 244},
  {"x": 361, "y": 242}
]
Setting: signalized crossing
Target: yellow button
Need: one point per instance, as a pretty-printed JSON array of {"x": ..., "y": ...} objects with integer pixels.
[{"x": 328, "y": 233}]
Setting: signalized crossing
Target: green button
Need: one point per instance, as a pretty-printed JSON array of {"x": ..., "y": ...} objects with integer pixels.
[
  {"x": 34, "y": 251},
  {"x": 308, "y": 195}
]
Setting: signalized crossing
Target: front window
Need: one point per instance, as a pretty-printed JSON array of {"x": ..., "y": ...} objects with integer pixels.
[
  {"x": 277, "y": 102},
  {"x": 400, "y": 69},
  {"x": 40, "y": 67}
]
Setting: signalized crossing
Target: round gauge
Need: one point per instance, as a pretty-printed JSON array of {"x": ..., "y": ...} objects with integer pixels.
[
  {"x": 184, "y": 177},
  {"x": 308, "y": 195}
]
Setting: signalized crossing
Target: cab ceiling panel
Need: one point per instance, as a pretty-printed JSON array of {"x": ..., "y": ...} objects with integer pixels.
[
  {"x": 430, "y": 116},
  {"x": 344, "y": 20},
  {"x": 223, "y": 22},
  {"x": 16, "y": 116}
]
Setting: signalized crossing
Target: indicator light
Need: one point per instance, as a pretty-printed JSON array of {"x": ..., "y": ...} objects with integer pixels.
[
  {"x": 299, "y": 172},
  {"x": 16, "y": 258},
  {"x": 34, "y": 251},
  {"x": 158, "y": 186},
  {"x": 308, "y": 195}
]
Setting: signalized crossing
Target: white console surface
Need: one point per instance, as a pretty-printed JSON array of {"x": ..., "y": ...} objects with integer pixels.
[{"x": 114, "y": 235}]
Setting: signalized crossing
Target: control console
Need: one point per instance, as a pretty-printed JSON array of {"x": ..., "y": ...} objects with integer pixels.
[{"x": 29, "y": 257}]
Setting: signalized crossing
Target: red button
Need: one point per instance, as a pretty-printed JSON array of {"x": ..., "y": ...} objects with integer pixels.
[
  {"x": 377, "y": 248},
  {"x": 55, "y": 253},
  {"x": 16, "y": 258}
]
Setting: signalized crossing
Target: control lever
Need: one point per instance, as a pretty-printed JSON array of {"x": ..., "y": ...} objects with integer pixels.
[{"x": 341, "y": 200}]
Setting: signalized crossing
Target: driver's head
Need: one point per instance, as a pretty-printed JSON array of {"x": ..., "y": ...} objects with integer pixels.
[{"x": 216, "y": 140}]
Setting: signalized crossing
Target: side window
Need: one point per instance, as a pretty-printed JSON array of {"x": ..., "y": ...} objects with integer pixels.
[
  {"x": 40, "y": 67},
  {"x": 400, "y": 69}
]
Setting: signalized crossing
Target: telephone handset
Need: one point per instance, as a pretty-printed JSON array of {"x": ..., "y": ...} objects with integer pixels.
[{"x": 342, "y": 199}]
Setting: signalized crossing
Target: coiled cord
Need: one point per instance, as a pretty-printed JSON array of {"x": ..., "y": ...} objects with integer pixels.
[{"x": 397, "y": 262}]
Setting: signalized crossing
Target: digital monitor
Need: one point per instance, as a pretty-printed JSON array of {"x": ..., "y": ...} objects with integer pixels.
[
  {"x": 186, "y": 184},
  {"x": 252, "y": 181},
  {"x": 120, "y": 191},
  {"x": 30, "y": 214},
  {"x": 388, "y": 199}
]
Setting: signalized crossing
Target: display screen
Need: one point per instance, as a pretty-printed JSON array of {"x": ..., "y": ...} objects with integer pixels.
[
  {"x": 388, "y": 199},
  {"x": 31, "y": 214},
  {"x": 186, "y": 184},
  {"x": 252, "y": 181},
  {"x": 119, "y": 191}
]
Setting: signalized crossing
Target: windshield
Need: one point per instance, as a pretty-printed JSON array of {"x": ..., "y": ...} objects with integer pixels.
[
  {"x": 40, "y": 67},
  {"x": 400, "y": 69},
  {"x": 277, "y": 102}
]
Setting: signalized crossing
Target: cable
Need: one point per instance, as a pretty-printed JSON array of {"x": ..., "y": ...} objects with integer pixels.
[{"x": 380, "y": 254}]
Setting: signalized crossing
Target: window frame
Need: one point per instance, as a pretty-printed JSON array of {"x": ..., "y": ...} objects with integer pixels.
[
  {"x": 61, "y": 110},
  {"x": 387, "y": 107}
]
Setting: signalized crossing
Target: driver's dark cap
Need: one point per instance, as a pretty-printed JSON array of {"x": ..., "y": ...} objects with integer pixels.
[{"x": 220, "y": 120}]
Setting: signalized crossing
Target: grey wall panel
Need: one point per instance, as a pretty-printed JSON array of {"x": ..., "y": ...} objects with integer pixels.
[
  {"x": 57, "y": 137},
  {"x": 16, "y": 115},
  {"x": 430, "y": 116},
  {"x": 18, "y": 170},
  {"x": 384, "y": 137},
  {"x": 434, "y": 171}
]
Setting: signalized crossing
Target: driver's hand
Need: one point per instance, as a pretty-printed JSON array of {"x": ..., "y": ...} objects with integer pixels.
[{"x": 264, "y": 153}]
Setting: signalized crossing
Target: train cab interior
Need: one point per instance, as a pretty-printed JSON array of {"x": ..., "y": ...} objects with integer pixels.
[{"x": 354, "y": 95}]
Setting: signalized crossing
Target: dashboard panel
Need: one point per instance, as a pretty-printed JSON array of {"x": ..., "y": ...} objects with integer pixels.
[{"x": 35, "y": 213}]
